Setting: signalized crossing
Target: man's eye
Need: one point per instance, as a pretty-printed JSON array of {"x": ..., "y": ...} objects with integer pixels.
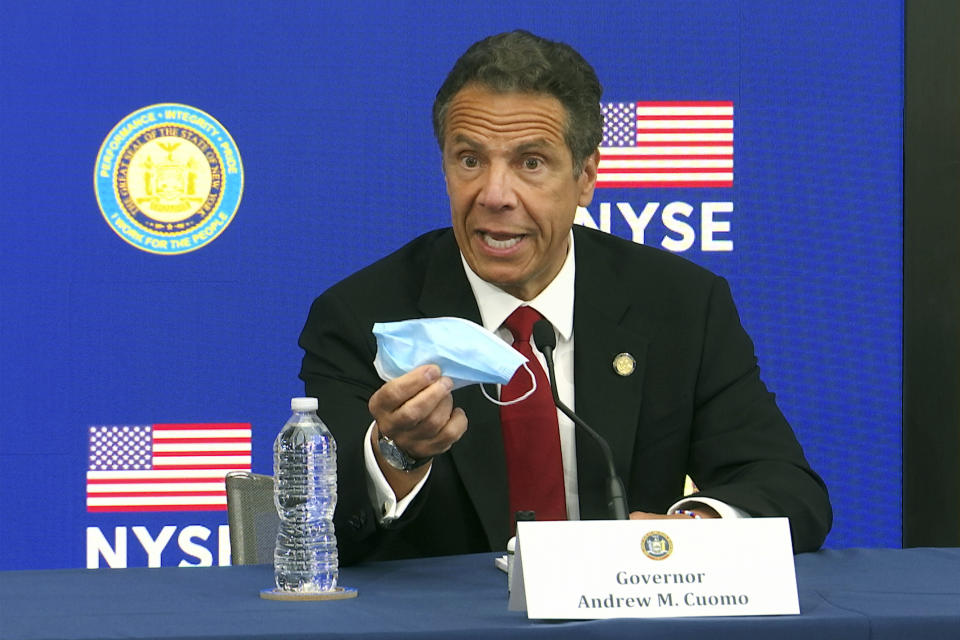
[
  {"x": 470, "y": 162},
  {"x": 531, "y": 163}
]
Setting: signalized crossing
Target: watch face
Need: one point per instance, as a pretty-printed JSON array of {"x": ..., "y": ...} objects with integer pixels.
[{"x": 394, "y": 456}]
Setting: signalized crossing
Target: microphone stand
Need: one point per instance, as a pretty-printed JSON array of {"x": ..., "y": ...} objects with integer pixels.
[{"x": 546, "y": 341}]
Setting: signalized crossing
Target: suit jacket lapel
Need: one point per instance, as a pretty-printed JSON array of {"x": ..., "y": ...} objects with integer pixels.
[
  {"x": 478, "y": 456},
  {"x": 607, "y": 401}
]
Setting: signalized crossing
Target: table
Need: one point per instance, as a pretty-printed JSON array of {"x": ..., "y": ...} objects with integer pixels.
[{"x": 847, "y": 594}]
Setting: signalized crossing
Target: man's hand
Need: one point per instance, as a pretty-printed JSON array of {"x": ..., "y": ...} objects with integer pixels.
[
  {"x": 415, "y": 411},
  {"x": 703, "y": 511}
]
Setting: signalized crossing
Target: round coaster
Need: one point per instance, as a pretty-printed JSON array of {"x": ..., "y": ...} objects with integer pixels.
[{"x": 340, "y": 593}]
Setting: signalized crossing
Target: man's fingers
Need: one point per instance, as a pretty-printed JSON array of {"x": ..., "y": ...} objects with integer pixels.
[
  {"x": 643, "y": 515},
  {"x": 416, "y": 410},
  {"x": 412, "y": 419},
  {"x": 397, "y": 392},
  {"x": 436, "y": 420},
  {"x": 449, "y": 432}
]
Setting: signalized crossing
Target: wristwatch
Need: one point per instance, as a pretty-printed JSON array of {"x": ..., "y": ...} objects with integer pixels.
[{"x": 397, "y": 457}]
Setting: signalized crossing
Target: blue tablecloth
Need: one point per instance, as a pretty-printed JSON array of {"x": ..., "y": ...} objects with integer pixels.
[{"x": 848, "y": 594}]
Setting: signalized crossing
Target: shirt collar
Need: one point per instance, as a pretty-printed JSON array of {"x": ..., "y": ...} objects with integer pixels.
[{"x": 555, "y": 303}]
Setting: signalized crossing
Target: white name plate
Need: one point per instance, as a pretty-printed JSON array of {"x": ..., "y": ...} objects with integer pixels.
[{"x": 654, "y": 569}]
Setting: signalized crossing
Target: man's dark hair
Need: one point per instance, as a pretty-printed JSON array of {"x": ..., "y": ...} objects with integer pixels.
[{"x": 519, "y": 61}]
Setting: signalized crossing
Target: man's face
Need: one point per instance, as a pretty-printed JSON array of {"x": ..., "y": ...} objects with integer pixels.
[{"x": 513, "y": 195}]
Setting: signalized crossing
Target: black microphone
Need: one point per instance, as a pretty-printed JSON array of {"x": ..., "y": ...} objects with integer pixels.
[{"x": 546, "y": 341}]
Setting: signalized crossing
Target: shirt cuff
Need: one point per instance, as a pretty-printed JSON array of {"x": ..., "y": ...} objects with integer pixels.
[
  {"x": 382, "y": 497},
  {"x": 725, "y": 510}
]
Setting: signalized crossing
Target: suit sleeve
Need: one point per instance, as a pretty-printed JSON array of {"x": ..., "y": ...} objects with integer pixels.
[
  {"x": 339, "y": 349},
  {"x": 742, "y": 449},
  {"x": 337, "y": 368},
  {"x": 334, "y": 371}
]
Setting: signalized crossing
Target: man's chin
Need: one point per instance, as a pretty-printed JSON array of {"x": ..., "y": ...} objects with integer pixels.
[
  {"x": 517, "y": 287},
  {"x": 498, "y": 279}
]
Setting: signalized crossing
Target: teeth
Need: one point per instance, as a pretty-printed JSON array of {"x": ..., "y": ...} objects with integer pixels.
[{"x": 500, "y": 244}]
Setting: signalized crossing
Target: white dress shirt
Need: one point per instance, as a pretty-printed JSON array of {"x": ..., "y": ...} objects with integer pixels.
[{"x": 555, "y": 303}]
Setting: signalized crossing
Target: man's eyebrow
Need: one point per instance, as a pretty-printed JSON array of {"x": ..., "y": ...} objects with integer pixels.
[
  {"x": 533, "y": 145},
  {"x": 524, "y": 147},
  {"x": 470, "y": 142}
]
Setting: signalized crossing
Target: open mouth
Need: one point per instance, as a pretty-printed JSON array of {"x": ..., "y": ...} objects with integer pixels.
[{"x": 501, "y": 242}]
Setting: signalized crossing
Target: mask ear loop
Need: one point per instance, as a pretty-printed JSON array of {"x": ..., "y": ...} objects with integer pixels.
[{"x": 515, "y": 400}]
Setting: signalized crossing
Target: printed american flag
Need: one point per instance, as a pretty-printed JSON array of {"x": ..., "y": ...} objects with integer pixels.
[
  {"x": 666, "y": 144},
  {"x": 164, "y": 467}
]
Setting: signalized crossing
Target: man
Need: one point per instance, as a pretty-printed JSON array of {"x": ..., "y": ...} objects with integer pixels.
[{"x": 650, "y": 349}]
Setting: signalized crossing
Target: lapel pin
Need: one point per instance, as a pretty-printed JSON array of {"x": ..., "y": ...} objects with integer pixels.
[{"x": 624, "y": 364}]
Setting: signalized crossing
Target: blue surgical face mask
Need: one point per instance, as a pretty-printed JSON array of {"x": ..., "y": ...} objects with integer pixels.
[{"x": 465, "y": 352}]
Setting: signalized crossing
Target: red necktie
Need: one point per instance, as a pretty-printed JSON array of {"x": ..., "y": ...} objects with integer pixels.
[{"x": 531, "y": 437}]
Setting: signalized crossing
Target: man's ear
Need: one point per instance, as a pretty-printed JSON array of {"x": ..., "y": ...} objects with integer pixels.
[{"x": 588, "y": 178}]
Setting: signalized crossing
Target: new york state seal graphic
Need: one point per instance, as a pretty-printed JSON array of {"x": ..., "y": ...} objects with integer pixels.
[{"x": 168, "y": 179}]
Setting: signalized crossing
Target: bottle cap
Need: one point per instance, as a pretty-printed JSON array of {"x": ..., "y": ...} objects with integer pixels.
[{"x": 304, "y": 404}]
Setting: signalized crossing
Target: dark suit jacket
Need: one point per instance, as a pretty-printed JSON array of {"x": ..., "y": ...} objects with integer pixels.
[{"x": 694, "y": 405}]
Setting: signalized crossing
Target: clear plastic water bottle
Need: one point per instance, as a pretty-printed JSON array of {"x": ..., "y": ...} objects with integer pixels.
[{"x": 305, "y": 493}]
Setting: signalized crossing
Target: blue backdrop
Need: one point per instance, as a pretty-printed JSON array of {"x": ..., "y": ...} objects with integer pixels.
[{"x": 329, "y": 108}]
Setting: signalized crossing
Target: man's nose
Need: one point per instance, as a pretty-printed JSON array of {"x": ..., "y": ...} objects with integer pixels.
[{"x": 497, "y": 192}]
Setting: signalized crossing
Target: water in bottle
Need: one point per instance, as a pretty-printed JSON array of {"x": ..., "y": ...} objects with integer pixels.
[{"x": 305, "y": 493}]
